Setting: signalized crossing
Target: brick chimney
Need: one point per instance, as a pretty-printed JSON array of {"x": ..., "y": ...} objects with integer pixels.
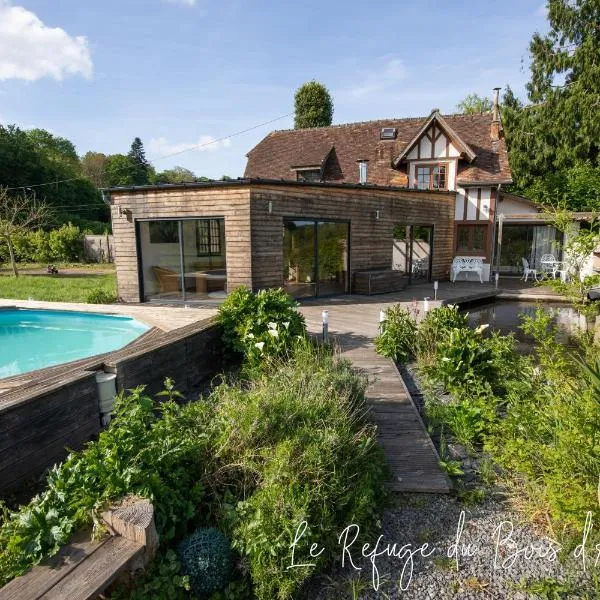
[{"x": 496, "y": 127}]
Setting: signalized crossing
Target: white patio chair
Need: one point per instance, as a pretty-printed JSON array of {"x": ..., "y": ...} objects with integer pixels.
[
  {"x": 549, "y": 264},
  {"x": 527, "y": 271}
]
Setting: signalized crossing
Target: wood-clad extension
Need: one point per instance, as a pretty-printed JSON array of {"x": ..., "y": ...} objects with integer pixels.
[{"x": 254, "y": 211}]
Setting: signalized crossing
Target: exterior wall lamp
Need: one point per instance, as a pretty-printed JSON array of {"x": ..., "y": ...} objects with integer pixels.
[
  {"x": 270, "y": 207},
  {"x": 377, "y": 214}
]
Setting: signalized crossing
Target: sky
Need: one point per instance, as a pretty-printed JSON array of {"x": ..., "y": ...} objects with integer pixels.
[{"x": 184, "y": 73}]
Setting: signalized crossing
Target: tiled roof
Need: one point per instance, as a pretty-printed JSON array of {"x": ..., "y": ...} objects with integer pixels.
[{"x": 275, "y": 155}]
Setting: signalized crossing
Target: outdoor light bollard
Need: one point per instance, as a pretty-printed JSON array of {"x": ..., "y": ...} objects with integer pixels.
[
  {"x": 426, "y": 305},
  {"x": 436, "y": 285},
  {"x": 325, "y": 316},
  {"x": 381, "y": 320},
  {"x": 497, "y": 278}
]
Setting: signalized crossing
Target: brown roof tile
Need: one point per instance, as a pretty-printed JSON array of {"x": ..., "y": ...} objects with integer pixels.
[{"x": 275, "y": 155}]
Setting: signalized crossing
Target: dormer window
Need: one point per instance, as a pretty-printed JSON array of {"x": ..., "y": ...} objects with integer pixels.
[
  {"x": 431, "y": 177},
  {"x": 308, "y": 174}
]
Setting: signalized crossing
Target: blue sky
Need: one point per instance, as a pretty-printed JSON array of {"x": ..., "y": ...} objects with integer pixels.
[{"x": 182, "y": 72}]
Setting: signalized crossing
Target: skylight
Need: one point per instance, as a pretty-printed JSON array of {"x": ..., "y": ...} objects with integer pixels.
[{"x": 388, "y": 133}]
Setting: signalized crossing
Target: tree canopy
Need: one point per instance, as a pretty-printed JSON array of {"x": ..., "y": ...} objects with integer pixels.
[
  {"x": 474, "y": 103},
  {"x": 554, "y": 141},
  {"x": 313, "y": 106}
]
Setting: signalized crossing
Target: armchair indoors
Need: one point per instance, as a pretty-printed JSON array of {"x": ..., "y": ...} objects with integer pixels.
[{"x": 168, "y": 280}]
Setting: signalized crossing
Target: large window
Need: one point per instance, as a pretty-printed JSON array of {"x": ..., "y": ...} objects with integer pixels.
[
  {"x": 432, "y": 177},
  {"x": 471, "y": 239},
  {"x": 182, "y": 259}
]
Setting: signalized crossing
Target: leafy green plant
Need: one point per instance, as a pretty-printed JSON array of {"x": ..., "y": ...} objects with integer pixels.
[
  {"x": 101, "y": 296},
  {"x": 205, "y": 558},
  {"x": 397, "y": 339},
  {"x": 66, "y": 243},
  {"x": 260, "y": 326},
  {"x": 463, "y": 358}
]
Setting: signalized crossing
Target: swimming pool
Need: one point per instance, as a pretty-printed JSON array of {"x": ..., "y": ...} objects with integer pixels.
[{"x": 34, "y": 339}]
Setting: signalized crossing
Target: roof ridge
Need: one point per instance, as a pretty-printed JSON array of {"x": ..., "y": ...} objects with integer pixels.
[{"x": 371, "y": 121}]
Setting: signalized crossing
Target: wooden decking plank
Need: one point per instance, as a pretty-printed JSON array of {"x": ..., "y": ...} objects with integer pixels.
[
  {"x": 407, "y": 447},
  {"x": 41, "y": 578},
  {"x": 94, "y": 575}
]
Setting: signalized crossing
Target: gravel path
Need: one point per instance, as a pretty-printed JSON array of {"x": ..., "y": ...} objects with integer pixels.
[{"x": 496, "y": 566}]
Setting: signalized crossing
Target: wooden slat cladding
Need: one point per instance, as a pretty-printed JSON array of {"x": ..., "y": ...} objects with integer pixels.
[
  {"x": 232, "y": 203},
  {"x": 254, "y": 237},
  {"x": 370, "y": 238}
]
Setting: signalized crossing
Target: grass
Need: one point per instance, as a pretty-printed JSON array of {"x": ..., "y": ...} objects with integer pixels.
[{"x": 73, "y": 285}]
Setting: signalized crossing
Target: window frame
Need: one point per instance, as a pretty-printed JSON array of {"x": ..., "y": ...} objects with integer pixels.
[
  {"x": 470, "y": 251},
  {"x": 431, "y": 167},
  {"x": 213, "y": 242},
  {"x": 316, "y": 170}
]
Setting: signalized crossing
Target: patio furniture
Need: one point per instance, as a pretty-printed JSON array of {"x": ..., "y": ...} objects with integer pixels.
[
  {"x": 527, "y": 271},
  {"x": 168, "y": 280},
  {"x": 419, "y": 267},
  {"x": 549, "y": 264},
  {"x": 467, "y": 264}
]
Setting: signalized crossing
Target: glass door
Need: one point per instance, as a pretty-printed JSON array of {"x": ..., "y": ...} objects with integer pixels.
[
  {"x": 160, "y": 259},
  {"x": 315, "y": 257},
  {"x": 332, "y": 257},
  {"x": 299, "y": 253},
  {"x": 182, "y": 260},
  {"x": 412, "y": 251},
  {"x": 421, "y": 243}
]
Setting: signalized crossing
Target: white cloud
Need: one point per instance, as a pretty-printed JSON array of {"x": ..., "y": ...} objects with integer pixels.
[
  {"x": 30, "y": 50},
  {"x": 182, "y": 2},
  {"x": 382, "y": 77},
  {"x": 161, "y": 146}
]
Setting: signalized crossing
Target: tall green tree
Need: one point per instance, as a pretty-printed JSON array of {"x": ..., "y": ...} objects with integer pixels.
[
  {"x": 313, "y": 106},
  {"x": 474, "y": 103},
  {"x": 93, "y": 166},
  {"x": 121, "y": 170},
  {"x": 559, "y": 129},
  {"x": 142, "y": 166}
]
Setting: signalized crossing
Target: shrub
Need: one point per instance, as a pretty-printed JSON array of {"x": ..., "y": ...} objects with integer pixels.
[
  {"x": 261, "y": 325},
  {"x": 397, "y": 339},
  {"x": 66, "y": 243},
  {"x": 101, "y": 296},
  {"x": 463, "y": 358},
  {"x": 205, "y": 558},
  {"x": 435, "y": 327},
  {"x": 152, "y": 450},
  {"x": 297, "y": 437}
]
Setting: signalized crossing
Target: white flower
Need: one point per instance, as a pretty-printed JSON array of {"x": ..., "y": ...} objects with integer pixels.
[
  {"x": 272, "y": 325},
  {"x": 250, "y": 335},
  {"x": 482, "y": 327},
  {"x": 274, "y": 332},
  {"x": 260, "y": 345},
  {"x": 286, "y": 324}
]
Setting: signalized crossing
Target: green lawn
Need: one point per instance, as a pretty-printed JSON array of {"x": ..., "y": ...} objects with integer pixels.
[{"x": 72, "y": 285}]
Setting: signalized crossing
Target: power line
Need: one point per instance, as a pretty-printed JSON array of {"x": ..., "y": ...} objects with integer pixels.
[{"x": 195, "y": 147}]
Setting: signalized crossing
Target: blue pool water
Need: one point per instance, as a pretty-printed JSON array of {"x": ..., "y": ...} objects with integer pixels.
[{"x": 34, "y": 339}]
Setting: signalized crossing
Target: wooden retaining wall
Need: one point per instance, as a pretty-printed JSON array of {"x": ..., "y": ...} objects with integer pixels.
[
  {"x": 36, "y": 428},
  {"x": 59, "y": 410}
]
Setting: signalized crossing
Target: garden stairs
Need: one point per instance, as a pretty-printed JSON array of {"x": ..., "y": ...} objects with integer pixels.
[
  {"x": 407, "y": 447},
  {"x": 85, "y": 568}
]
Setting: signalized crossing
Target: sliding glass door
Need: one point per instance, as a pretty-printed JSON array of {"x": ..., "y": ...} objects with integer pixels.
[
  {"x": 315, "y": 257},
  {"x": 182, "y": 260},
  {"x": 412, "y": 251}
]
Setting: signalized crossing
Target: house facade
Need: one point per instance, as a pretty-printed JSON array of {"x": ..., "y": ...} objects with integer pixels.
[
  {"x": 320, "y": 210},
  {"x": 462, "y": 154},
  {"x": 195, "y": 241}
]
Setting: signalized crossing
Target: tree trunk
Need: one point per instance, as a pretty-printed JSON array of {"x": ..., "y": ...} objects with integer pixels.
[{"x": 13, "y": 262}]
